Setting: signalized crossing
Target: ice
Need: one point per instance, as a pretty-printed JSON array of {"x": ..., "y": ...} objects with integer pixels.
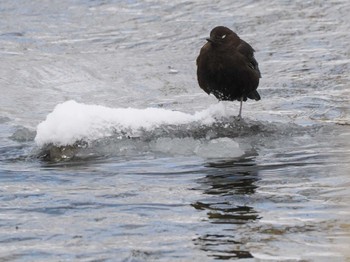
[
  {"x": 23, "y": 134},
  {"x": 223, "y": 147},
  {"x": 76, "y": 129},
  {"x": 114, "y": 131},
  {"x": 176, "y": 146},
  {"x": 72, "y": 121}
]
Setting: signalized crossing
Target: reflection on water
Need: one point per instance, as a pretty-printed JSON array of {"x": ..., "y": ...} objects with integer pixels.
[{"x": 228, "y": 186}]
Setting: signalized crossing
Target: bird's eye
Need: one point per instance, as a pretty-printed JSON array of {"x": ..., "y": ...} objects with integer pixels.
[{"x": 223, "y": 36}]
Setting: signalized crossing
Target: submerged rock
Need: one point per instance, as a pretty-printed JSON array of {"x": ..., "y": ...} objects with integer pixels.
[{"x": 55, "y": 153}]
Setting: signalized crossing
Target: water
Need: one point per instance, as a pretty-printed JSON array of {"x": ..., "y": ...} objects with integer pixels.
[{"x": 111, "y": 152}]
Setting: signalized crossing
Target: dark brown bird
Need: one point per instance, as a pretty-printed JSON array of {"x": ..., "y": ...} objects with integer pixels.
[{"x": 226, "y": 67}]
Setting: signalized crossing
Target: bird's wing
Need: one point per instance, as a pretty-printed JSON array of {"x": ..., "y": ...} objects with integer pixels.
[{"x": 245, "y": 49}]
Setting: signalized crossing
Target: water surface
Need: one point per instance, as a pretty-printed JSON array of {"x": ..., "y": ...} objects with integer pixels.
[{"x": 110, "y": 151}]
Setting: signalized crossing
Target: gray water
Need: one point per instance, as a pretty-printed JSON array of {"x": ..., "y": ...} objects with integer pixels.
[{"x": 175, "y": 192}]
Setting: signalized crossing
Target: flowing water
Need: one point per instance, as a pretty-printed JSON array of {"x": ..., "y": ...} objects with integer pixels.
[{"x": 111, "y": 152}]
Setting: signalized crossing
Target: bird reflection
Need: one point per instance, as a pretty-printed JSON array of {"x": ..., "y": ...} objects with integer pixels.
[{"x": 228, "y": 190}]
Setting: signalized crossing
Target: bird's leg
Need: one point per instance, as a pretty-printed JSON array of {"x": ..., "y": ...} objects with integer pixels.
[{"x": 240, "y": 109}]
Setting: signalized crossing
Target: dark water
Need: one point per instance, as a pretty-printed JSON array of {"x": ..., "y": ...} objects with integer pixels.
[{"x": 200, "y": 187}]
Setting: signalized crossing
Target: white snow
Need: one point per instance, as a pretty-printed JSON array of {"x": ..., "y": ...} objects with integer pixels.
[{"x": 71, "y": 121}]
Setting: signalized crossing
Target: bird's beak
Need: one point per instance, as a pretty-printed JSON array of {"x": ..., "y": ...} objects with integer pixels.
[{"x": 210, "y": 40}]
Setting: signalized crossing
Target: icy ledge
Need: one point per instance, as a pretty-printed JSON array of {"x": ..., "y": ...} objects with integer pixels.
[{"x": 71, "y": 121}]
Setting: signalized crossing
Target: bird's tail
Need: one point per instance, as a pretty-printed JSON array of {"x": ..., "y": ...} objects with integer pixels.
[{"x": 254, "y": 95}]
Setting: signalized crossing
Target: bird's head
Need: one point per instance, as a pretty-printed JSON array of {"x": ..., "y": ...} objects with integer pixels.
[{"x": 222, "y": 35}]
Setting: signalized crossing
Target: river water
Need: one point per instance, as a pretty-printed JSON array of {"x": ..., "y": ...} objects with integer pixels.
[{"x": 109, "y": 150}]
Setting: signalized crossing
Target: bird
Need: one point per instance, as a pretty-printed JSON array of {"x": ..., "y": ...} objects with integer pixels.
[{"x": 227, "y": 68}]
